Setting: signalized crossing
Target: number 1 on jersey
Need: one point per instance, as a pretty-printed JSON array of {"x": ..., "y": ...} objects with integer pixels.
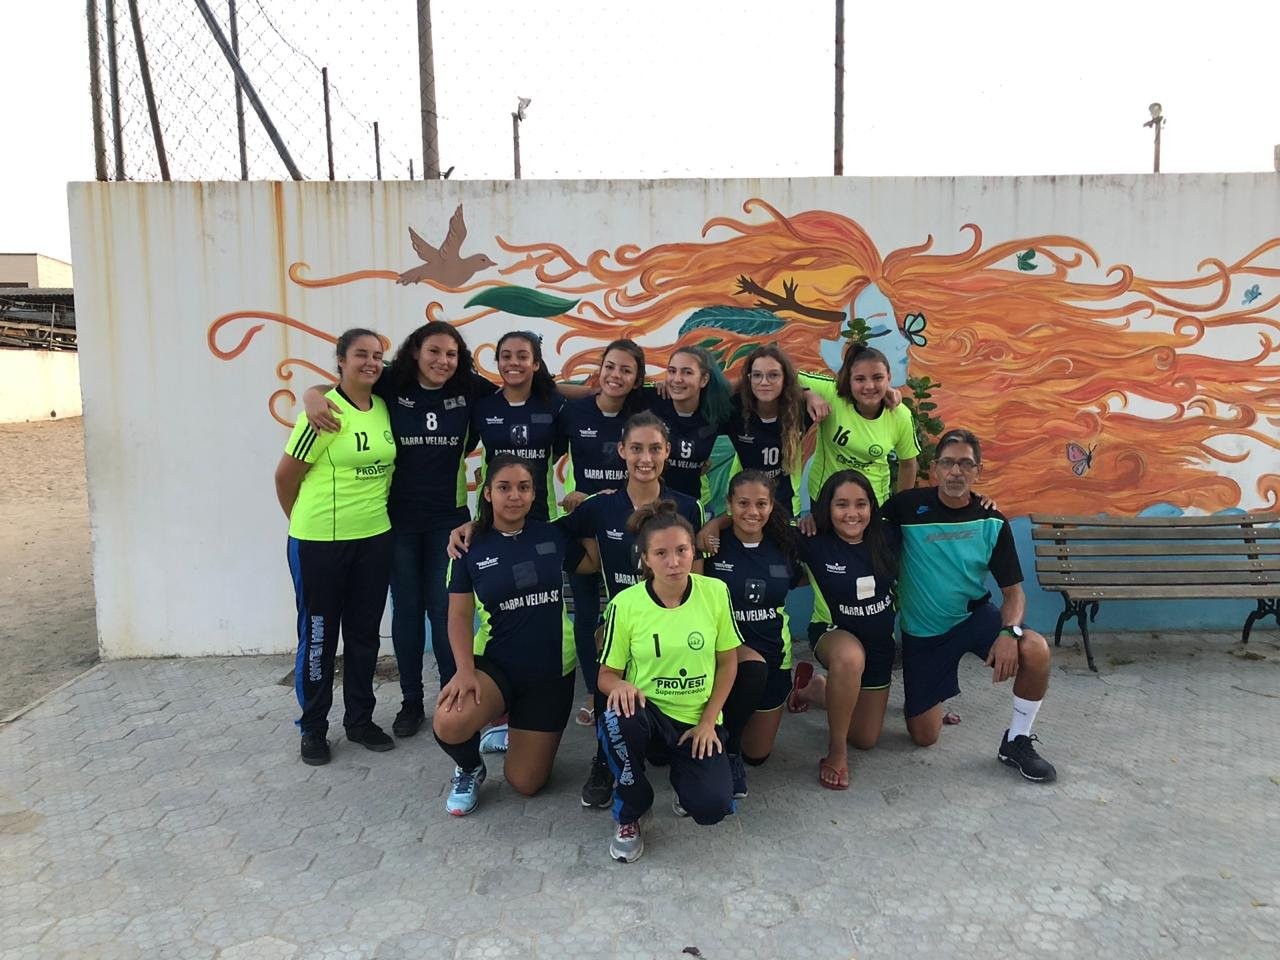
[{"x": 657, "y": 648}]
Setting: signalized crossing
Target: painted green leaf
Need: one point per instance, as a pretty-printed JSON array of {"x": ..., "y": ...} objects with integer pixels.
[
  {"x": 1027, "y": 260},
  {"x": 741, "y": 352},
  {"x": 710, "y": 343},
  {"x": 748, "y": 321},
  {"x": 522, "y": 301}
]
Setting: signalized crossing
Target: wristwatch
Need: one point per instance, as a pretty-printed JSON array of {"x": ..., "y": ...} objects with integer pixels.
[{"x": 1013, "y": 629}]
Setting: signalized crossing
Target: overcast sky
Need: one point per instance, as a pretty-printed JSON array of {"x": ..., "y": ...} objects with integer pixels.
[{"x": 667, "y": 88}]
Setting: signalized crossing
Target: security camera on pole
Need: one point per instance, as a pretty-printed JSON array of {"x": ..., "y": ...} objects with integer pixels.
[
  {"x": 1156, "y": 121},
  {"x": 522, "y": 104}
]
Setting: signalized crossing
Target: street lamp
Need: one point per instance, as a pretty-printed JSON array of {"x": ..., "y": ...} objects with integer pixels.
[
  {"x": 1156, "y": 121},
  {"x": 522, "y": 104}
]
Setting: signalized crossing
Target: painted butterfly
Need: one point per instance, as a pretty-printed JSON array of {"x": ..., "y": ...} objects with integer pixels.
[
  {"x": 1080, "y": 458},
  {"x": 913, "y": 330},
  {"x": 1252, "y": 294}
]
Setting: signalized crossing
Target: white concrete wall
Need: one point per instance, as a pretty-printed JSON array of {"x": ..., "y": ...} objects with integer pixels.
[
  {"x": 189, "y": 543},
  {"x": 38, "y": 385}
]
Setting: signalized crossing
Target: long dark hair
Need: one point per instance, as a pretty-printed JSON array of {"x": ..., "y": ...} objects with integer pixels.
[
  {"x": 713, "y": 401},
  {"x": 777, "y": 530},
  {"x": 404, "y": 368},
  {"x": 634, "y": 401},
  {"x": 645, "y": 521},
  {"x": 883, "y": 557},
  {"x": 484, "y": 509},
  {"x": 544, "y": 385},
  {"x": 349, "y": 337},
  {"x": 790, "y": 402},
  {"x": 857, "y": 353}
]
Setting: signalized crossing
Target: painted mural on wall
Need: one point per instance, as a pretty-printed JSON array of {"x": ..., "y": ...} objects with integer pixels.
[{"x": 1094, "y": 387}]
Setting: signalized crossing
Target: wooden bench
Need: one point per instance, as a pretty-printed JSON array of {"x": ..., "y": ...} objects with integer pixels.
[{"x": 1090, "y": 559}]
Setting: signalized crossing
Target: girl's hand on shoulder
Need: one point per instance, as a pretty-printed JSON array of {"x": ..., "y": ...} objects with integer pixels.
[
  {"x": 460, "y": 540},
  {"x": 987, "y": 502},
  {"x": 625, "y": 698},
  {"x": 807, "y": 525},
  {"x": 572, "y": 500},
  {"x": 818, "y": 408},
  {"x": 708, "y": 540},
  {"x": 705, "y": 741},
  {"x": 892, "y": 397},
  {"x": 322, "y": 413},
  {"x": 660, "y": 388}
]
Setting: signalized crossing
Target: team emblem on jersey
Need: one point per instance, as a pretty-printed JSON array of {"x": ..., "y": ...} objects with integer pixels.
[
  {"x": 696, "y": 641},
  {"x": 755, "y": 591},
  {"x": 386, "y": 435},
  {"x": 450, "y": 403},
  {"x": 405, "y": 402},
  {"x": 724, "y": 565},
  {"x": 586, "y": 433},
  {"x": 835, "y": 568},
  {"x": 520, "y": 434},
  {"x": 494, "y": 421},
  {"x": 614, "y": 535},
  {"x": 875, "y": 450},
  {"x": 486, "y": 563}
]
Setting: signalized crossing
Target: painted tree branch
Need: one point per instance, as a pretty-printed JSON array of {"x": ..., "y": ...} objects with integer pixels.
[{"x": 787, "y": 301}]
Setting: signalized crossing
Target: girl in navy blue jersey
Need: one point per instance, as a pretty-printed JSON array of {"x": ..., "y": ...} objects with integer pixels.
[
  {"x": 695, "y": 407},
  {"x": 758, "y": 562},
  {"x": 430, "y": 389},
  {"x": 521, "y": 660},
  {"x": 591, "y": 427},
  {"x": 601, "y": 521},
  {"x": 768, "y": 421},
  {"x": 520, "y": 419},
  {"x": 852, "y": 565}
]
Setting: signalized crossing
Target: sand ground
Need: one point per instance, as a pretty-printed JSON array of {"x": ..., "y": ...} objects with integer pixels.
[{"x": 47, "y": 630}]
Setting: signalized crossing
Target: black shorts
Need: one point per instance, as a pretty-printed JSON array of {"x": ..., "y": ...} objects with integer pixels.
[
  {"x": 878, "y": 670},
  {"x": 931, "y": 665},
  {"x": 541, "y": 705},
  {"x": 777, "y": 687}
]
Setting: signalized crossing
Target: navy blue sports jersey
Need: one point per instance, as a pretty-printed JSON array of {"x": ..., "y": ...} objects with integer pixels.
[
  {"x": 516, "y": 581},
  {"x": 592, "y": 437},
  {"x": 603, "y": 518},
  {"x": 758, "y": 576},
  {"x": 525, "y": 430},
  {"x": 846, "y": 591},
  {"x": 691, "y": 441},
  {"x": 431, "y": 427},
  {"x": 758, "y": 445}
]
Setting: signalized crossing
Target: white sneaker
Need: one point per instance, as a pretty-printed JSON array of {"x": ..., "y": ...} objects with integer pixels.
[
  {"x": 679, "y": 810},
  {"x": 494, "y": 739},
  {"x": 627, "y": 843}
]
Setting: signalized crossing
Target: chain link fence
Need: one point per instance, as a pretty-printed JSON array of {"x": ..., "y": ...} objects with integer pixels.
[{"x": 284, "y": 48}]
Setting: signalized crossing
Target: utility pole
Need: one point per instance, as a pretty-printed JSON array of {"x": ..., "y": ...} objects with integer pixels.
[
  {"x": 522, "y": 104},
  {"x": 235, "y": 49},
  {"x": 427, "y": 94},
  {"x": 839, "y": 165},
  {"x": 1157, "y": 121},
  {"x": 95, "y": 94}
]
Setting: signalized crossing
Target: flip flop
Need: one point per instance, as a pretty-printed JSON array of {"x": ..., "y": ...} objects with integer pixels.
[
  {"x": 951, "y": 719},
  {"x": 586, "y": 717},
  {"x": 804, "y": 673},
  {"x": 842, "y": 777}
]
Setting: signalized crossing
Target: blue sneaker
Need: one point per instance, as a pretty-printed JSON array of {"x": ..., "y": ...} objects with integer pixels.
[
  {"x": 738, "y": 770},
  {"x": 465, "y": 790},
  {"x": 494, "y": 739}
]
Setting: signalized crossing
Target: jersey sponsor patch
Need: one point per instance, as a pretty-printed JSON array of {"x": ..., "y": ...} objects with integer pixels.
[{"x": 866, "y": 588}]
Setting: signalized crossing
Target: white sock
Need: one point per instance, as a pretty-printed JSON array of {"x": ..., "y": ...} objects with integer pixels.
[{"x": 1024, "y": 715}]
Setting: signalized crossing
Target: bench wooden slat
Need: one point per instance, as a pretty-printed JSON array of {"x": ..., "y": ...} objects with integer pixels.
[
  {"x": 1154, "y": 533},
  {"x": 1102, "y": 520},
  {"x": 1152, "y": 549},
  {"x": 1156, "y": 592},
  {"x": 1193, "y": 567},
  {"x": 1174, "y": 578}
]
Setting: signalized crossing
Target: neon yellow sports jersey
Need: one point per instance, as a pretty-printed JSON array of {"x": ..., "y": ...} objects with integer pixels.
[
  {"x": 344, "y": 494},
  {"x": 670, "y": 653},
  {"x": 849, "y": 441}
]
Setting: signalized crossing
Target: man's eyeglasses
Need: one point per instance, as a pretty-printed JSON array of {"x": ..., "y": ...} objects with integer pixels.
[
  {"x": 773, "y": 376},
  {"x": 946, "y": 464}
]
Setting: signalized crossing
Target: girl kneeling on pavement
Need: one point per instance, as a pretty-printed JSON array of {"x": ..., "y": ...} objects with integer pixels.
[
  {"x": 521, "y": 662},
  {"x": 667, "y": 668}
]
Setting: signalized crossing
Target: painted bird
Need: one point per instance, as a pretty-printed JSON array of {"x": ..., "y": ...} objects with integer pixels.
[{"x": 444, "y": 266}]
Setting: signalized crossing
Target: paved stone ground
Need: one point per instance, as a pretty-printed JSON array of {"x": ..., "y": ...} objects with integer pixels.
[{"x": 158, "y": 809}]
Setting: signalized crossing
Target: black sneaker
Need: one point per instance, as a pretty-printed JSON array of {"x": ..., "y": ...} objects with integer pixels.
[
  {"x": 315, "y": 749},
  {"x": 739, "y": 771},
  {"x": 372, "y": 737},
  {"x": 598, "y": 790},
  {"x": 1021, "y": 753},
  {"x": 409, "y": 720}
]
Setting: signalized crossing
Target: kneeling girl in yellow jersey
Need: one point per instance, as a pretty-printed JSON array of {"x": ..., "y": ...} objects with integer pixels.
[
  {"x": 521, "y": 661},
  {"x": 668, "y": 665},
  {"x": 333, "y": 488}
]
